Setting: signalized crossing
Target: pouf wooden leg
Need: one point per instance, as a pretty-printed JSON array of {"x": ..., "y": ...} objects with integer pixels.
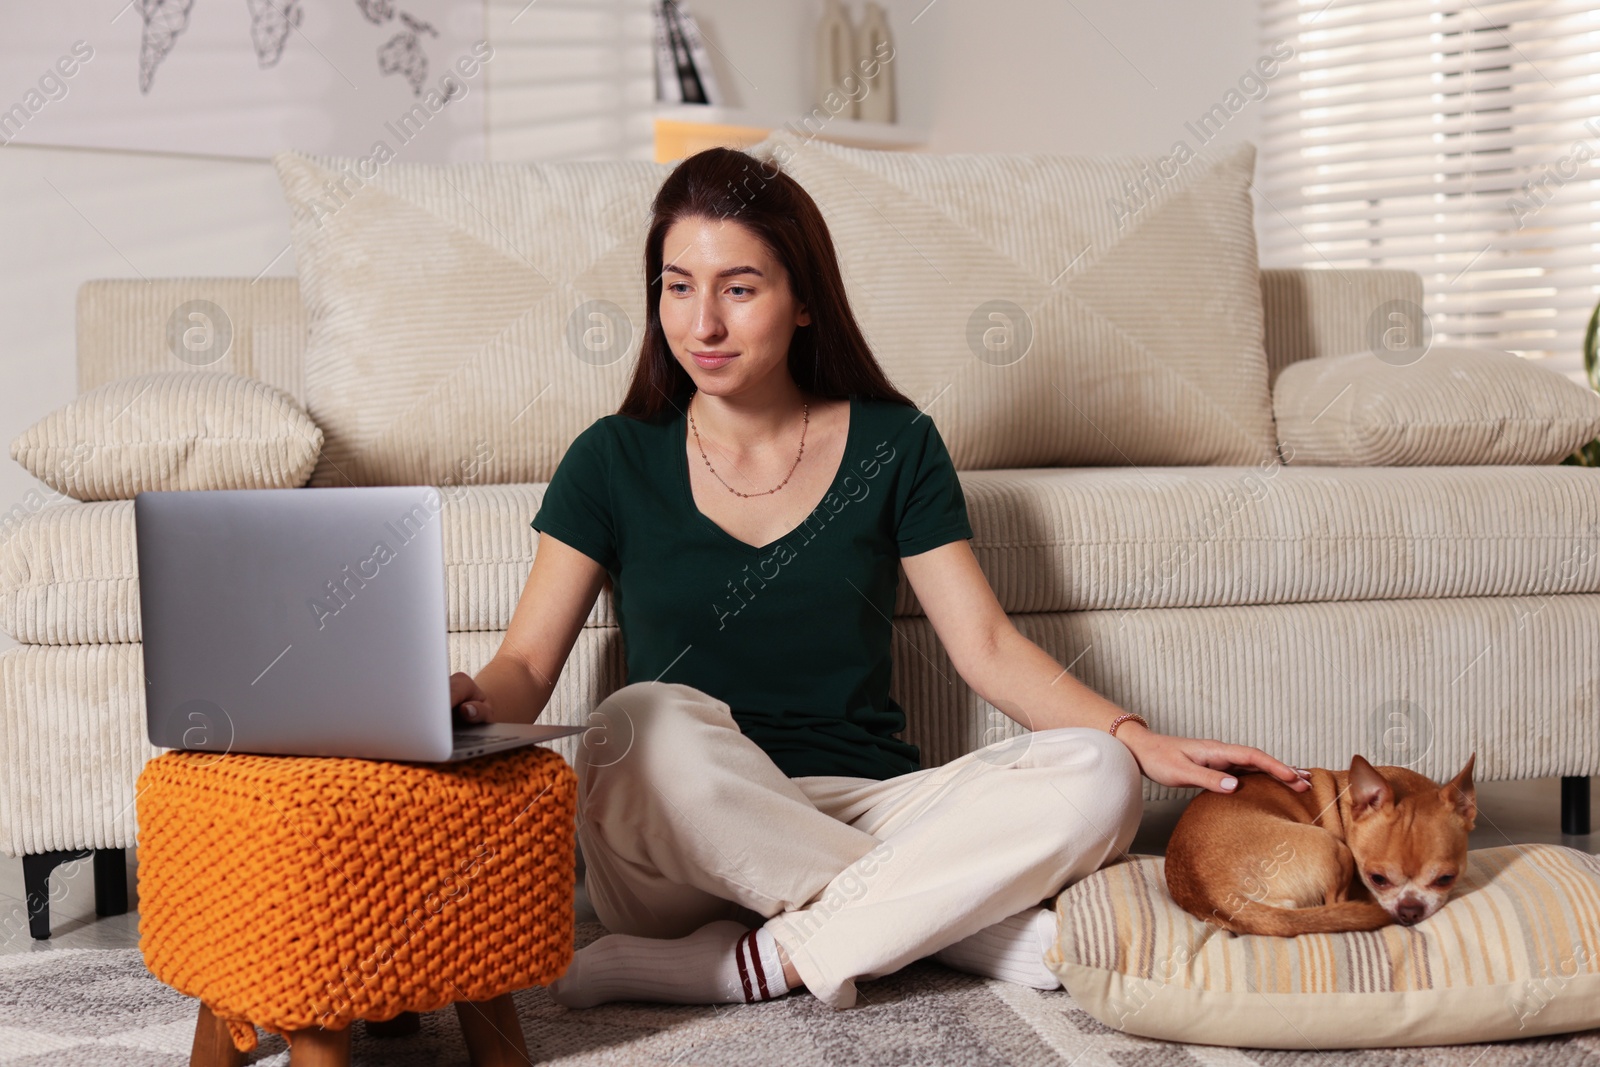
[
  {"x": 493, "y": 1032},
  {"x": 213, "y": 1046},
  {"x": 402, "y": 1025},
  {"x": 319, "y": 1048}
]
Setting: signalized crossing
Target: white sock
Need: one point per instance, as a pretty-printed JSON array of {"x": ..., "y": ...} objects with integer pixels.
[
  {"x": 1012, "y": 949},
  {"x": 723, "y": 962}
]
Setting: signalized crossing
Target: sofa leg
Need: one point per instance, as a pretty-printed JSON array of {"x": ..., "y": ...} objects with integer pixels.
[
  {"x": 36, "y": 870},
  {"x": 1575, "y": 805},
  {"x": 110, "y": 882}
]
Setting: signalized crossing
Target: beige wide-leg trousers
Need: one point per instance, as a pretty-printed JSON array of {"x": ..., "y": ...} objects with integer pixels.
[{"x": 684, "y": 820}]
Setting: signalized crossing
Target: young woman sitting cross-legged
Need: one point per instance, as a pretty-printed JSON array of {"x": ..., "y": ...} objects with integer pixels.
[{"x": 749, "y": 820}]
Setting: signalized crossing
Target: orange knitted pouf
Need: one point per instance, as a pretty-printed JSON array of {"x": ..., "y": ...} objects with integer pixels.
[{"x": 294, "y": 893}]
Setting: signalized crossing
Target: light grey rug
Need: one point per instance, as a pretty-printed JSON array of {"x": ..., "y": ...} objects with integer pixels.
[{"x": 101, "y": 1007}]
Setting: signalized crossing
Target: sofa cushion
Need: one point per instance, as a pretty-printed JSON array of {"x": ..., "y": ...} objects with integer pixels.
[
  {"x": 1417, "y": 683},
  {"x": 123, "y": 323},
  {"x": 1048, "y": 540},
  {"x": 129, "y": 326},
  {"x": 178, "y": 429},
  {"x": 1301, "y": 680},
  {"x": 69, "y": 573},
  {"x": 1044, "y": 315},
  {"x": 1512, "y": 954},
  {"x": 1090, "y": 538},
  {"x": 74, "y": 738},
  {"x": 1311, "y": 313},
  {"x": 446, "y": 304},
  {"x": 1450, "y": 405}
]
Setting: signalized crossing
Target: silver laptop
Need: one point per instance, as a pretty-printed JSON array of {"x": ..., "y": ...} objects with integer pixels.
[{"x": 305, "y": 622}]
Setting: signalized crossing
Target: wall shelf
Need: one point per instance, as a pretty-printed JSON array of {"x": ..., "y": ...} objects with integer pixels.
[
  {"x": 764, "y": 60},
  {"x": 684, "y": 129}
]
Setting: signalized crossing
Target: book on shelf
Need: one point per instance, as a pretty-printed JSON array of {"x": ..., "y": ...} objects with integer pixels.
[
  {"x": 668, "y": 89},
  {"x": 683, "y": 64}
]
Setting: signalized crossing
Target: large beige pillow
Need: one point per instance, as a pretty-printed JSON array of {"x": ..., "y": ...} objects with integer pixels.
[
  {"x": 454, "y": 310},
  {"x": 1514, "y": 953},
  {"x": 1136, "y": 277},
  {"x": 180, "y": 429},
  {"x": 1450, "y": 405}
]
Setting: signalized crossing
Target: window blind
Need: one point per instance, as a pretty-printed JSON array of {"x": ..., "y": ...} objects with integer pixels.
[
  {"x": 1456, "y": 139},
  {"x": 571, "y": 79}
]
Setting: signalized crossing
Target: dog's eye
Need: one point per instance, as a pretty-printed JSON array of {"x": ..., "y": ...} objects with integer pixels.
[
  {"x": 1377, "y": 879},
  {"x": 1444, "y": 880}
]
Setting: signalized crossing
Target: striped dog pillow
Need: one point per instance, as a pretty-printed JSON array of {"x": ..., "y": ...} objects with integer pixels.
[{"x": 1515, "y": 953}]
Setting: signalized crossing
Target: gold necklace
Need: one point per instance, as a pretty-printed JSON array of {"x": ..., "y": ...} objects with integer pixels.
[{"x": 807, "y": 421}]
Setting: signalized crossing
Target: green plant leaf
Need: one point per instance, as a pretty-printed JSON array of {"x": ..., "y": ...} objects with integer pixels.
[{"x": 1589, "y": 454}]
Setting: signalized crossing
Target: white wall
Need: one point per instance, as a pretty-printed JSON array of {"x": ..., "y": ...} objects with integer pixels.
[
  {"x": 1092, "y": 76},
  {"x": 570, "y": 79},
  {"x": 70, "y": 215}
]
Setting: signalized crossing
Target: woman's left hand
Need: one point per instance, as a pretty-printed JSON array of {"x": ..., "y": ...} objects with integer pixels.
[{"x": 1189, "y": 761}]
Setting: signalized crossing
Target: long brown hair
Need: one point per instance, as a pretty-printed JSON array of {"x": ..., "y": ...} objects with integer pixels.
[{"x": 724, "y": 183}]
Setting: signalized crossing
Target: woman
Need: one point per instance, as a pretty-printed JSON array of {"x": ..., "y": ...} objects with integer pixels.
[{"x": 749, "y": 822}]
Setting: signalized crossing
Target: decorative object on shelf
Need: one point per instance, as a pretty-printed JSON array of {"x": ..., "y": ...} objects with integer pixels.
[
  {"x": 683, "y": 66},
  {"x": 873, "y": 51},
  {"x": 836, "y": 60}
]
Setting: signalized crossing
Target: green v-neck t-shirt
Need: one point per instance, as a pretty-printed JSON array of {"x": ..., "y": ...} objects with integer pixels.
[{"x": 795, "y": 636}]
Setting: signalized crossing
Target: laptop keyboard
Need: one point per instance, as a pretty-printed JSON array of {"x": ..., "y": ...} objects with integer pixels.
[{"x": 473, "y": 737}]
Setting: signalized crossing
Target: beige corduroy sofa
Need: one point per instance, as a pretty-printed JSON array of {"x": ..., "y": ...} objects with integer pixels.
[{"x": 1412, "y": 614}]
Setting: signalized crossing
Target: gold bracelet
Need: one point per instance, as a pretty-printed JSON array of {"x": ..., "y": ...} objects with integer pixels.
[{"x": 1127, "y": 716}]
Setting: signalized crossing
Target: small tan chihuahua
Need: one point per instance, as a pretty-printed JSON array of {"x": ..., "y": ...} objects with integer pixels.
[{"x": 1358, "y": 850}]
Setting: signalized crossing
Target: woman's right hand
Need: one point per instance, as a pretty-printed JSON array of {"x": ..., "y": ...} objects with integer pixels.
[
  {"x": 1189, "y": 761},
  {"x": 468, "y": 702}
]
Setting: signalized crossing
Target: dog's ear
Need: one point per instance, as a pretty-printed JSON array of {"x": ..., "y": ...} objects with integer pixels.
[
  {"x": 1369, "y": 790},
  {"x": 1461, "y": 795}
]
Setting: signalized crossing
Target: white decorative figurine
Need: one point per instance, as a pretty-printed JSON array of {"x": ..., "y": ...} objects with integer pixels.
[
  {"x": 874, "y": 59},
  {"x": 836, "y": 59}
]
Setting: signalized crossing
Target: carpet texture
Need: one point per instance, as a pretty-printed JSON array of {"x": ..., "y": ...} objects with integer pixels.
[{"x": 75, "y": 1007}]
